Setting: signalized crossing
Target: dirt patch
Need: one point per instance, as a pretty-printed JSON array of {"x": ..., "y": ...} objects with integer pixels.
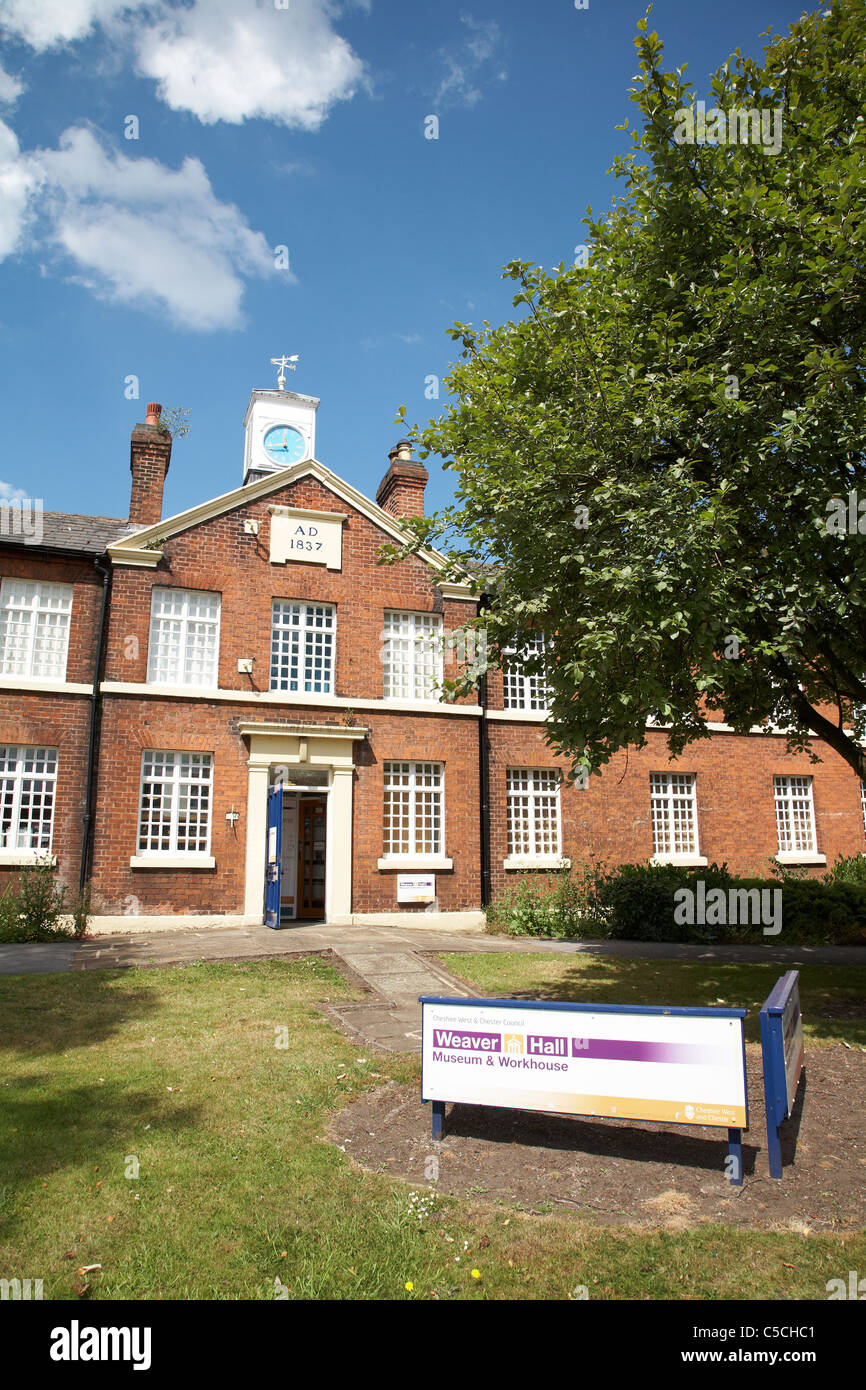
[{"x": 630, "y": 1172}]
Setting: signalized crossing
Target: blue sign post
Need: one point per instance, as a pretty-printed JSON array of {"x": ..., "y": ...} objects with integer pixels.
[{"x": 782, "y": 1054}]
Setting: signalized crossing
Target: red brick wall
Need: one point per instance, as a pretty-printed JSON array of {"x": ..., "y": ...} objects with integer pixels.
[
  {"x": 610, "y": 819},
  {"x": 55, "y": 720}
]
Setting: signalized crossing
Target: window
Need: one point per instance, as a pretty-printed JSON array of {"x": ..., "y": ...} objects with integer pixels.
[
  {"x": 413, "y": 813},
  {"x": 412, "y": 655},
  {"x": 533, "y": 812},
  {"x": 674, "y": 807},
  {"x": 34, "y": 628},
  {"x": 184, "y": 638},
  {"x": 863, "y": 802},
  {"x": 522, "y": 691},
  {"x": 174, "y": 815},
  {"x": 795, "y": 817},
  {"x": 28, "y": 778},
  {"x": 302, "y": 646}
]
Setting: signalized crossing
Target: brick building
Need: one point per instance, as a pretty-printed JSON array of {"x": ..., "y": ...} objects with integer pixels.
[{"x": 234, "y": 710}]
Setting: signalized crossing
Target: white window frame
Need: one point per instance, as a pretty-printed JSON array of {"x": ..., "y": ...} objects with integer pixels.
[
  {"x": 520, "y": 690},
  {"x": 792, "y": 793},
  {"x": 38, "y": 607},
  {"x": 542, "y": 783},
  {"x": 411, "y": 636},
  {"x": 13, "y": 779},
  {"x": 307, "y": 630},
  {"x": 669, "y": 791},
  {"x": 414, "y": 789},
  {"x": 178, "y": 677},
  {"x": 175, "y": 781}
]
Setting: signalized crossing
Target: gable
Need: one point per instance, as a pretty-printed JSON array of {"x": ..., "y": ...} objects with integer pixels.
[{"x": 285, "y": 489}]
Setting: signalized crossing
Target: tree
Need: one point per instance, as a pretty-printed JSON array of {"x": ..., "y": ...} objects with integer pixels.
[{"x": 662, "y": 457}]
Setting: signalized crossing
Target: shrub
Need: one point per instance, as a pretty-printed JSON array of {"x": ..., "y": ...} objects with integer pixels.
[
  {"x": 637, "y": 902},
  {"x": 36, "y": 908}
]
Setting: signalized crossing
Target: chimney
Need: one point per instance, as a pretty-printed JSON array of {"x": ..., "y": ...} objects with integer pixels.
[
  {"x": 149, "y": 456},
  {"x": 401, "y": 491}
]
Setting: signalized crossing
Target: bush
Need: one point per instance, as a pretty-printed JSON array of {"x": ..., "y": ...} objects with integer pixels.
[
  {"x": 638, "y": 902},
  {"x": 36, "y": 908}
]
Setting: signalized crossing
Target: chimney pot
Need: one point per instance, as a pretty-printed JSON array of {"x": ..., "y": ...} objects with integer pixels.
[
  {"x": 401, "y": 491},
  {"x": 154, "y": 410}
]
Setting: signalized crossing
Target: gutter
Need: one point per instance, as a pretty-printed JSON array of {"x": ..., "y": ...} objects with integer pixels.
[
  {"x": 87, "y": 836},
  {"x": 484, "y": 779}
]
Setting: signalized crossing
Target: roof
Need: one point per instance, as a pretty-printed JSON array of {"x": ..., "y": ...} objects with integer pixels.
[{"x": 69, "y": 531}]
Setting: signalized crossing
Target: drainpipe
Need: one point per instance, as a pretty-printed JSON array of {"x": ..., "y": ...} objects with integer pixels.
[
  {"x": 484, "y": 778},
  {"x": 91, "y": 750}
]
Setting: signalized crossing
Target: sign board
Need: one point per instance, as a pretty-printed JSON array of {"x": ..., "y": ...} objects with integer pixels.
[
  {"x": 416, "y": 888},
  {"x": 782, "y": 1056},
  {"x": 310, "y": 538},
  {"x": 272, "y": 844},
  {"x": 677, "y": 1065}
]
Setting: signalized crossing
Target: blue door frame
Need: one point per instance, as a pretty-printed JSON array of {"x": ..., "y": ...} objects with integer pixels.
[{"x": 273, "y": 853}]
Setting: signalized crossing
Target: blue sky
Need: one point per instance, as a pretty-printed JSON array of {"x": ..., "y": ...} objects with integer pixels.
[{"x": 296, "y": 123}]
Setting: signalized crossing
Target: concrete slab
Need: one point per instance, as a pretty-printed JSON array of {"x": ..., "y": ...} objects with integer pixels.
[{"x": 36, "y": 957}]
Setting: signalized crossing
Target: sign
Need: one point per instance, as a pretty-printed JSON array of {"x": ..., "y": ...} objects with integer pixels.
[
  {"x": 416, "y": 888},
  {"x": 310, "y": 538},
  {"x": 677, "y": 1065},
  {"x": 782, "y": 1056}
]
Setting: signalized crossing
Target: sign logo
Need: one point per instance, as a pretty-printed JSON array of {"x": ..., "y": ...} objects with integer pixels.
[{"x": 513, "y": 1043}]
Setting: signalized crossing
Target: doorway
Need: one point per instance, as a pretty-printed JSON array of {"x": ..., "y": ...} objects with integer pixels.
[{"x": 302, "y": 856}]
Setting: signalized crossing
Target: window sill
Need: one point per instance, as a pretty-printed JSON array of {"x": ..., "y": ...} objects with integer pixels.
[
  {"x": 172, "y": 861},
  {"x": 415, "y": 863},
  {"x": 796, "y": 856},
  {"x": 684, "y": 861},
  {"x": 21, "y": 858},
  {"x": 536, "y": 861}
]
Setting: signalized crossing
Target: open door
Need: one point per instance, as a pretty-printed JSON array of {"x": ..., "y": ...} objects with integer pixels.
[{"x": 273, "y": 852}]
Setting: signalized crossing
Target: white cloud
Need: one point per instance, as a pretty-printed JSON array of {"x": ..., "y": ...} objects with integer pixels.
[
  {"x": 229, "y": 62},
  {"x": 47, "y": 23},
  {"x": 471, "y": 65},
  {"x": 136, "y": 232},
  {"x": 10, "y": 87},
  {"x": 221, "y": 60},
  {"x": 11, "y": 494},
  {"x": 16, "y": 184}
]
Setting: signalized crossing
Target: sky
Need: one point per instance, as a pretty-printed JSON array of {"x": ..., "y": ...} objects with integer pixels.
[{"x": 191, "y": 187}]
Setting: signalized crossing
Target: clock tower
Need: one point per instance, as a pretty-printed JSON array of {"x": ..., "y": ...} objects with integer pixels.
[{"x": 279, "y": 430}]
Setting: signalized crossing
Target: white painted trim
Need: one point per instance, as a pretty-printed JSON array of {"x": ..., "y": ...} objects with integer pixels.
[
  {"x": 134, "y": 555},
  {"x": 696, "y": 861},
  {"x": 796, "y": 856},
  {"x": 536, "y": 861},
  {"x": 47, "y": 687},
  {"x": 276, "y": 510},
  {"x": 340, "y": 731},
  {"x": 285, "y": 699},
  {"x": 22, "y": 858},
  {"x": 139, "y": 923},
  {"x": 517, "y": 716},
  {"x": 155, "y": 860},
  {"x": 470, "y": 920},
  {"x": 461, "y": 593},
  {"x": 410, "y": 862}
]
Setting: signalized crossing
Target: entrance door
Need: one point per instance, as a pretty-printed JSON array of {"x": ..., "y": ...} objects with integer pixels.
[
  {"x": 272, "y": 860},
  {"x": 311, "y": 858}
]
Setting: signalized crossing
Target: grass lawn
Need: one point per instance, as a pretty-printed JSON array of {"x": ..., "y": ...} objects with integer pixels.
[
  {"x": 832, "y": 997},
  {"x": 152, "y": 1123}
]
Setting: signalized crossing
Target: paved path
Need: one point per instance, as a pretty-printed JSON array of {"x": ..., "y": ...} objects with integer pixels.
[{"x": 392, "y": 964}]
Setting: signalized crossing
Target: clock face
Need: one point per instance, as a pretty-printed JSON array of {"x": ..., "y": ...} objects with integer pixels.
[{"x": 284, "y": 445}]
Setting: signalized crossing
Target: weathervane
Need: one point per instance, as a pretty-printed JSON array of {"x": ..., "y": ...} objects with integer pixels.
[{"x": 282, "y": 363}]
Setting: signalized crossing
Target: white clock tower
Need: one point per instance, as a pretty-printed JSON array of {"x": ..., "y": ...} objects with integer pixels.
[{"x": 279, "y": 430}]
